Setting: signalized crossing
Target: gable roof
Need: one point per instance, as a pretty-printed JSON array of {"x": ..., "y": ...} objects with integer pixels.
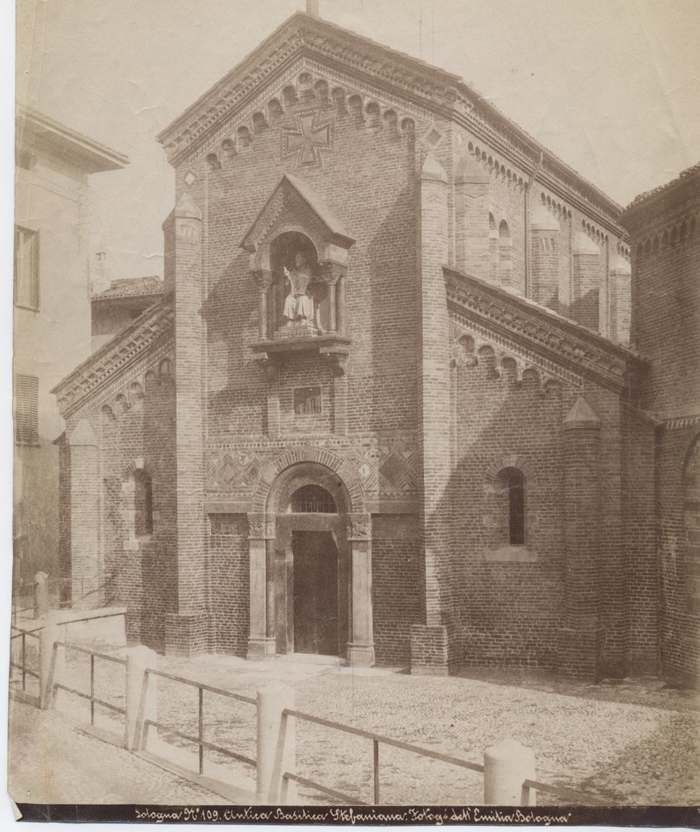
[
  {"x": 132, "y": 287},
  {"x": 423, "y": 84}
]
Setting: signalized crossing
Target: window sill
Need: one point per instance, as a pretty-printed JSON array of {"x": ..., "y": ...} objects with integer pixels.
[{"x": 510, "y": 554}]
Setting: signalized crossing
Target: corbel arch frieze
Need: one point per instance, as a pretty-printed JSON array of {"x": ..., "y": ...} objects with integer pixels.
[
  {"x": 472, "y": 347},
  {"x": 311, "y": 85},
  {"x": 131, "y": 389}
]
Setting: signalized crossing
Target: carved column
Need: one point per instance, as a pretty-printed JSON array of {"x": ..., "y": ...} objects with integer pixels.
[
  {"x": 263, "y": 278},
  {"x": 361, "y": 646},
  {"x": 331, "y": 273},
  {"x": 261, "y": 642}
]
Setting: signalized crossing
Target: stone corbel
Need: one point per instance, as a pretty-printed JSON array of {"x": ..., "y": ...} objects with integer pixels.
[
  {"x": 263, "y": 279},
  {"x": 261, "y": 527},
  {"x": 359, "y": 527}
]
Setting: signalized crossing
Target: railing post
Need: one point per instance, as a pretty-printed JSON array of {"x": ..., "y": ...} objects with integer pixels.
[
  {"x": 506, "y": 767},
  {"x": 141, "y": 696},
  {"x": 41, "y": 594},
  {"x": 276, "y": 745},
  {"x": 51, "y": 662}
]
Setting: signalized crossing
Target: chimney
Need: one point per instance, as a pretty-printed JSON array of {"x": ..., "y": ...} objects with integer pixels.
[
  {"x": 312, "y": 7},
  {"x": 101, "y": 280}
]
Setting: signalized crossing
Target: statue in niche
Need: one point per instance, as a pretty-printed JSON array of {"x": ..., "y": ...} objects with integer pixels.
[{"x": 299, "y": 305}]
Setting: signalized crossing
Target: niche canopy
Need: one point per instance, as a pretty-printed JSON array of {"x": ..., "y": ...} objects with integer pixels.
[{"x": 298, "y": 258}]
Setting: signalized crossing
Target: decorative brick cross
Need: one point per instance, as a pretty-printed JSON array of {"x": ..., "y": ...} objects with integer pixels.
[{"x": 308, "y": 140}]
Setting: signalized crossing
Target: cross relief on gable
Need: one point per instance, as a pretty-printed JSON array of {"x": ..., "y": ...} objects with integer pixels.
[{"x": 311, "y": 135}]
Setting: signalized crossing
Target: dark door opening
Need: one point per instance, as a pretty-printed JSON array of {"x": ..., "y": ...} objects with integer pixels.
[{"x": 315, "y": 592}]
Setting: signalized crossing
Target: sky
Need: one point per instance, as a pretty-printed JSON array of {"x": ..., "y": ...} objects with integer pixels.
[{"x": 610, "y": 86}]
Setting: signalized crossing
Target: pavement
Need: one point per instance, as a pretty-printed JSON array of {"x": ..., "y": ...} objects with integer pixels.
[
  {"x": 52, "y": 761},
  {"x": 632, "y": 742}
]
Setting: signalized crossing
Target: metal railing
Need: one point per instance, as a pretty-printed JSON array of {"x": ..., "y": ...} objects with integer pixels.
[
  {"x": 22, "y": 664},
  {"x": 199, "y": 740},
  {"x": 577, "y": 798},
  {"x": 377, "y": 739},
  {"x": 93, "y": 699}
]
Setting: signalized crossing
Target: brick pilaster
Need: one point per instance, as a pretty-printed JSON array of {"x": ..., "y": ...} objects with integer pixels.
[
  {"x": 620, "y": 308},
  {"x": 585, "y": 307},
  {"x": 580, "y": 639},
  {"x": 186, "y": 632},
  {"x": 544, "y": 230},
  {"x": 85, "y": 512},
  {"x": 434, "y": 391},
  {"x": 472, "y": 219}
]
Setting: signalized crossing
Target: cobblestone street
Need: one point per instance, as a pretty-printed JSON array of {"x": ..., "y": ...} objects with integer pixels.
[{"x": 629, "y": 743}]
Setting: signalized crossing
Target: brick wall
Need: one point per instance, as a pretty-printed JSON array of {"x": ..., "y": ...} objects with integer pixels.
[{"x": 395, "y": 586}]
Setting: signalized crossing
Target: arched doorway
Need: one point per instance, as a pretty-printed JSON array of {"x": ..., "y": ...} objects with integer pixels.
[
  {"x": 310, "y": 567},
  {"x": 311, "y": 575}
]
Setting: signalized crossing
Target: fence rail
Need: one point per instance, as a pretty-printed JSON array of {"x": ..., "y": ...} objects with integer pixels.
[
  {"x": 508, "y": 768},
  {"x": 22, "y": 664},
  {"x": 376, "y": 740},
  {"x": 199, "y": 740},
  {"x": 91, "y": 697},
  {"x": 577, "y": 798}
]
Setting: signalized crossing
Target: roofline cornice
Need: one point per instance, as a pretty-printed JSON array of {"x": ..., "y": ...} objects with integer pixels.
[
  {"x": 114, "y": 358},
  {"x": 450, "y": 98},
  {"x": 543, "y": 331},
  {"x": 79, "y": 142}
]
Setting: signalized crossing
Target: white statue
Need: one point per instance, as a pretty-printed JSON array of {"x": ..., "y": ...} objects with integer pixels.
[{"x": 299, "y": 305}]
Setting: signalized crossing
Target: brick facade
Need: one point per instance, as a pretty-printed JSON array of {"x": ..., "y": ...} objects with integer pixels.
[
  {"x": 461, "y": 346},
  {"x": 666, "y": 326}
]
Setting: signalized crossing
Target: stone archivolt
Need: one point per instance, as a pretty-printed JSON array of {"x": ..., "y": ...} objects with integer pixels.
[
  {"x": 109, "y": 365},
  {"x": 569, "y": 348}
]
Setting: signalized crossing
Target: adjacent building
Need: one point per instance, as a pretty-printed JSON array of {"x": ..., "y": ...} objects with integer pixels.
[
  {"x": 53, "y": 164},
  {"x": 665, "y": 244}
]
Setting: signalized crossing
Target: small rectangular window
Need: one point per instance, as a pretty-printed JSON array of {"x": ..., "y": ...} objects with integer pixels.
[
  {"x": 26, "y": 268},
  {"x": 27, "y": 410}
]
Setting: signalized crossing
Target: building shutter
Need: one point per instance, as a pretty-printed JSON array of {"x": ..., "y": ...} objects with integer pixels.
[{"x": 27, "y": 410}]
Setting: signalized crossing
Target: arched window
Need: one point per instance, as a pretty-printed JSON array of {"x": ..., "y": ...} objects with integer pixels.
[
  {"x": 505, "y": 254},
  {"x": 493, "y": 249},
  {"x": 512, "y": 490},
  {"x": 312, "y": 499},
  {"x": 143, "y": 504}
]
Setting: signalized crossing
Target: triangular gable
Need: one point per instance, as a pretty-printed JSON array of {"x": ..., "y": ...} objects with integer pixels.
[
  {"x": 388, "y": 71},
  {"x": 289, "y": 190}
]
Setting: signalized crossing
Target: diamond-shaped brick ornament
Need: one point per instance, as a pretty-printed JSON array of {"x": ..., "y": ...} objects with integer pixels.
[
  {"x": 190, "y": 179},
  {"x": 365, "y": 470}
]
